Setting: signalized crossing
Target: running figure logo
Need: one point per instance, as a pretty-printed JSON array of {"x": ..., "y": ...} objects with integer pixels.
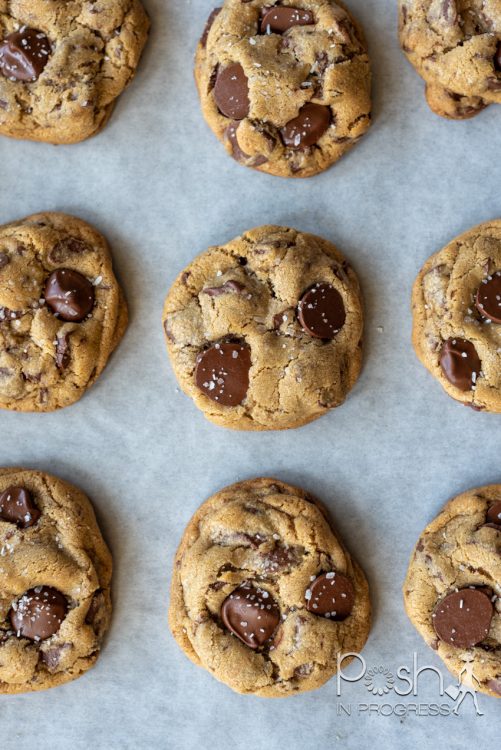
[{"x": 464, "y": 687}]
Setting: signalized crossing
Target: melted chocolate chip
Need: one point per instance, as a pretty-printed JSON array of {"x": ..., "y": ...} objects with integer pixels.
[
  {"x": 331, "y": 595},
  {"x": 494, "y": 513},
  {"x": 493, "y": 516},
  {"x": 488, "y": 299},
  {"x": 231, "y": 92},
  {"x": 38, "y": 614},
  {"x": 308, "y": 127},
  {"x": 17, "y": 506},
  {"x": 236, "y": 151},
  {"x": 463, "y": 618},
  {"x": 4, "y": 260},
  {"x": 208, "y": 26},
  {"x": 321, "y": 311},
  {"x": 251, "y": 614},
  {"x": 280, "y": 18},
  {"x": 69, "y": 295},
  {"x": 222, "y": 372},
  {"x": 460, "y": 363},
  {"x": 24, "y": 54},
  {"x": 227, "y": 287}
]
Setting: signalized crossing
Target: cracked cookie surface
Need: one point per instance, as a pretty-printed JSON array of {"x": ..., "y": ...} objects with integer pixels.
[
  {"x": 243, "y": 323},
  {"x": 62, "y": 312},
  {"x": 63, "y": 64},
  {"x": 453, "y": 587},
  {"x": 285, "y": 88},
  {"x": 55, "y": 573},
  {"x": 455, "y": 302},
  {"x": 455, "y": 46},
  {"x": 254, "y": 583}
]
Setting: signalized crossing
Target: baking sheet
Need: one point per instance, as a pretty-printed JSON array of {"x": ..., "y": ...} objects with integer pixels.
[{"x": 158, "y": 184}]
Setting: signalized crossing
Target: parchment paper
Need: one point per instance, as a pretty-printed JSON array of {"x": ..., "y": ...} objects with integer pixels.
[{"x": 161, "y": 188}]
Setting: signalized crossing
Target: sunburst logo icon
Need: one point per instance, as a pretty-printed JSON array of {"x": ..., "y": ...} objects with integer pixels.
[{"x": 379, "y": 680}]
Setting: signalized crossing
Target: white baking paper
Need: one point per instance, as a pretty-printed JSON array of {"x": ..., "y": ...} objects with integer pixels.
[{"x": 162, "y": 189}]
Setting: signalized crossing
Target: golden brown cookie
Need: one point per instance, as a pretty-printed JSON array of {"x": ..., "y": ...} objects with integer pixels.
[
  {"x": 456, "y": 304},
  {"x": 63, "y": 64},
  {"x": 455, "y": 46},
  {"x": 264, "y": 333},
  {"x": 285, "y": 88},
  {"x": 55, "y": 576},
  {"x": 62, "y": 312},
  {"x": 264, "y": 595},
  {"x": 453, "y": 587}
]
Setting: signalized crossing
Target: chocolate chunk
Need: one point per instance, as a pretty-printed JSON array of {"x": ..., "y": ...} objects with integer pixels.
[
  {"x": 460, "y": 363},
  {"x": 231, "y": 92},
  {"x": 66, "y": 248},
  {"x": 69, "y": 295},
  {"x": 280, "y": 558},
  {"x": 4, "y": 260},
  {"x": 497, "y": 57},
  {"x": 38, "y": 614},
  {"x": 168, "y": 332},
  {"x": 488, "y": 299},
  {"x": 279, "y": 19},
  {"x": 463, "y": 618},
  {"x": 285, "y": 317},
  {"x": 331, "y": 595},
  {"x": 321, "y": 311},
  {"x": 222, "y": 372},
  {"x": 96, "y": 615},
  {"x": 6, "y": 314},
  {"x": 251, "y": 614},
  {"x": 304, "y": 670},
  {"x": 52, "y": 656},
  {"x": 17, "y": 506},
  {"x": 24, "y": 54},
  {"x": 494, "y": 84},
  {"x": 62, "y": 351},
  {"x": 208, "y": 26},
  {"x": 228, "y": 286},
  {"x": 308, "y": 127}
]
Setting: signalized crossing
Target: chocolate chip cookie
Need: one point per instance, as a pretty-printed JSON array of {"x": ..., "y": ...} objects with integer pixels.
[
  {"x": 63, "y": 65},
  {"x": 264, "y": 333},
  {"x": 55, "y": 575},
  {"x": 62, "y": 312},
  {"x": 453, "y": 587},
  {"x": 264, "y": 595},
  {"x": 456, "y": 304},
  {"x": 455, "y": 46},
  {"x": 286, "y": 88}
]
